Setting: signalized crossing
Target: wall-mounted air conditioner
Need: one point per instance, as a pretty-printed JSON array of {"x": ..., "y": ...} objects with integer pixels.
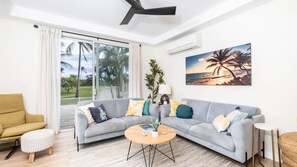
[{"x": 185, "y": 43}]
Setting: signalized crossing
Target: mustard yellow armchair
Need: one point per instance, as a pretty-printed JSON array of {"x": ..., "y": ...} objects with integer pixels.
[{"x": 15, "y": 121}]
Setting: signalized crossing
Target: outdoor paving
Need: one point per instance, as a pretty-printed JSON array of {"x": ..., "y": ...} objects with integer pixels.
[{"x": 67, "y": 116}]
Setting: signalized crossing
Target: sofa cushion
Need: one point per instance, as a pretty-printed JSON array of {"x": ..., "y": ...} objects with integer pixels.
[
  {"x": 21, "y": 129},
  {"x": 200, "y": 108},
  {"x": 135, "y": 120},
  {"x": 122, "y": 106},
  {"x": 216, "y": 109},
  {"x": 179, "y": 123},
  {"x": 109, "y": 126},
  {"x": 207, "y": 132}
]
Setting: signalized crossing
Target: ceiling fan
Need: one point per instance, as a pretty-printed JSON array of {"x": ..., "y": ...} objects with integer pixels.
[{"x": 136, "y": 8}]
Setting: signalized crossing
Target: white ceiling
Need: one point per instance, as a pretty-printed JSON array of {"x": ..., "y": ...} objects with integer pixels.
[{"x": 103, "y": 17}]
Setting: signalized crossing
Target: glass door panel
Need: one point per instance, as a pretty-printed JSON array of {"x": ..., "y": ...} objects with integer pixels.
[
  {"x": 76, "y": 77},
  {"x": 111, "y": 71}
]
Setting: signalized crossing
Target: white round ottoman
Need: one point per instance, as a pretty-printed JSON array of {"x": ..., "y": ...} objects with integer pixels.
[{"x": 37, "y": 140}]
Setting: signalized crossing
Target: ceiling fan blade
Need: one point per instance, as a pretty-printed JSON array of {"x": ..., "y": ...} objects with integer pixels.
[
  {"x": 128, "y": 16},
  {"x": 158, "y": 11},
  {"x": 135, "y": 4}
]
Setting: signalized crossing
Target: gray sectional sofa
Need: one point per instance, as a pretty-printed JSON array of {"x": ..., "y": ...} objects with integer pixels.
[
  {"x": 199, "y": 129},
  {"x": 116, "y": 126}
]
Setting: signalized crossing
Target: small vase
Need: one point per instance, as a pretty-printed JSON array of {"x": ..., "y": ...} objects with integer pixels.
[{"x": 155, "y": 133}]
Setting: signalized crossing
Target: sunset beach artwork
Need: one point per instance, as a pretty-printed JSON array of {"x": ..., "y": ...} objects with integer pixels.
[{"x": 230, "y": 66}]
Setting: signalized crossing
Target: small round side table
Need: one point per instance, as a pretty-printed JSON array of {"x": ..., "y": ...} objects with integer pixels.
[{"x": 271, "y": 129}]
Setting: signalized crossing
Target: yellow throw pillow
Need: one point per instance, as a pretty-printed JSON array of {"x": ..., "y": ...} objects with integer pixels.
[
  {"x": 173, "y": 106},
  {"x": 135, "y": 108},
  {"x": 221, "y": 123}
]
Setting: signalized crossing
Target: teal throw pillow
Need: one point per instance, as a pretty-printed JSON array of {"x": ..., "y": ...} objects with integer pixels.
[
  {"x": 184, "y": 111},
  {"x": 146, "y": 107}
]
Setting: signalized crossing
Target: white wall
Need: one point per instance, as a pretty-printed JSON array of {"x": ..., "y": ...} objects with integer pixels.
[
  {"x": 272, "y": 30},
  {"x": 18, "y": 60},
  {"x": 147, "y": 52}
]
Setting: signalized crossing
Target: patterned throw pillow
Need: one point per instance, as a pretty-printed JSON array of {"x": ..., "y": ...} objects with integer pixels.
[
  {"x": 85, "y": 110},
  {"x": 173, "y": 106},
  {"x": 99, "y": 114},
  {"x": 221, "y": 123},
  {"x": 135, "y": 108}
]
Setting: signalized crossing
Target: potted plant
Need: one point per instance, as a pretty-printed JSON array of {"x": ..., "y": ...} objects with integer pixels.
[
  {"x": 154, "y": 79},
  {"x": 155, "y": 125}
]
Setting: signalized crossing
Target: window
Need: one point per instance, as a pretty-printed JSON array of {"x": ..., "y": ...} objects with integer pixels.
[{"x": 91, "y": 70}]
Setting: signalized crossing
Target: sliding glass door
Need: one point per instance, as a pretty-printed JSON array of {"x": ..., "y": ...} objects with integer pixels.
[
  {"x": 111, "y": 71},
  {"x": 91, "y": 70}
]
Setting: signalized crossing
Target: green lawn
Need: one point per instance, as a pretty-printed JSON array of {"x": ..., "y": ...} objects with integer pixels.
[{"x": 85, "y": 94}]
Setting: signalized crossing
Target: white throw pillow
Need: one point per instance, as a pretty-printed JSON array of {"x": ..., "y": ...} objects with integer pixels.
[
  {"x": 232, "y": 115},
  {"x": 85, "y": 110},
  {"x": 221, "y": 123},
  {"x": 236, "y": 116}
]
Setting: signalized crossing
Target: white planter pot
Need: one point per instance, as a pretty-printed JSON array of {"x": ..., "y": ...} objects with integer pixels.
[{"x": 155, "y": 133}]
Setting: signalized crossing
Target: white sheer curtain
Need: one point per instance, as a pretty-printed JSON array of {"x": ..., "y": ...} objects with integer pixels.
[
  {"x": 134, "y": 70},
  {"x": 48, "y": 88}
]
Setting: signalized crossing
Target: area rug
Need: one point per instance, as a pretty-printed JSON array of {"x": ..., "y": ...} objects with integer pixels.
[{"x": 113, "y": 153}]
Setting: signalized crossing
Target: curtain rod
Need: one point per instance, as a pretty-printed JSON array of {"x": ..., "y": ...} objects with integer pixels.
[{"x": 36, "y": 26}]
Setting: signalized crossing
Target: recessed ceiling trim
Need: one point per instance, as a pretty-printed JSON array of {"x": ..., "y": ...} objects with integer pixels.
[
  {"x": 109, "y": 32},
  {"x": 59, "y": 21},
  {"x": 203, "y": 18}
]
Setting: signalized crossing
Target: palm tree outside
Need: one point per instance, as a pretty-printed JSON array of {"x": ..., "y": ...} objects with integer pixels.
[{"x": 83, "y": 48}]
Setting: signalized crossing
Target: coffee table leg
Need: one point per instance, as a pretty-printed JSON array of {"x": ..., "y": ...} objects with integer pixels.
[
  {"x": 149, "y": 162},
  {"x": 154, "y": 154},
  {"x": 172, "y": 152},
  {"x": 144, "y": 155},
  {"x": 129, "y": 150}
]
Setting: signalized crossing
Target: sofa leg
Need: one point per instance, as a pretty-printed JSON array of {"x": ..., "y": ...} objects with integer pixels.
[
  {"x": 74, "y": 133},
  {"x": 77, "y": 144},
  {"x": 263, "y": 150},
  {"x": 246, "y": 160}
]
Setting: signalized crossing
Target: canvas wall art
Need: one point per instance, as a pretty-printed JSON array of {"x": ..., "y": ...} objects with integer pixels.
[{"x": 230, "y": 66}]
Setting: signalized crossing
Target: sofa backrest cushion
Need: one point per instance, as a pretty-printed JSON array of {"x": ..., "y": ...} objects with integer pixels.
[
  {"x": 122, "y": 106},
  {"x": 109, "y": 105},
  {"x": 200, "y": 108},
  {"x": 216, "y": 109}
]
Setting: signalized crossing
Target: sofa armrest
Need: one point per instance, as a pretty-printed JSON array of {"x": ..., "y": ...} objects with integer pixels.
[
  {"x": 81, "y": 124},
  {"x": 164, "y": 111},
  {"x": 32, "y": 118},
  {"x": 242, "y": 133},
  {"x": 1, "y": 129},
  {"x": 154, "y": 110}
]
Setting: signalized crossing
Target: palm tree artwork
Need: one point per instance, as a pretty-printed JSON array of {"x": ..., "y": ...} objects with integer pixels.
[
  {"x": 230, "y": 66},
  {"x": 221, "y": 59}
]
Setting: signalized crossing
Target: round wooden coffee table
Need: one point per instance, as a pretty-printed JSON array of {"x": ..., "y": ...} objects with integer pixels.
[{"x": 137, "y": 135}]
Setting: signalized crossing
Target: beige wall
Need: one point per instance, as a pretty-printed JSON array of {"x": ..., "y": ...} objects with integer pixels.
[
  {"x": 18, "y": 60},
  {"x": 272, "y": 31}
]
